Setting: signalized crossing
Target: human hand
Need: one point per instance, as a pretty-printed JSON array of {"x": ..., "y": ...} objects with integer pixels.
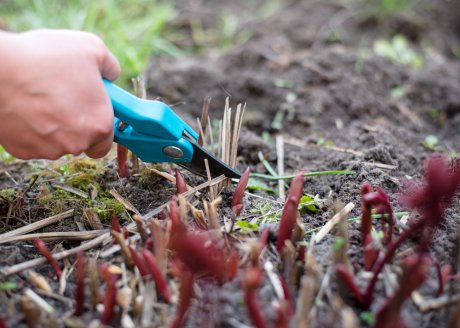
[{"x": 52, "y": 98}]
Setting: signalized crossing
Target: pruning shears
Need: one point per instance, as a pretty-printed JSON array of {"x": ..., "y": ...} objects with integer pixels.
[{"x": 155, "y": 133}]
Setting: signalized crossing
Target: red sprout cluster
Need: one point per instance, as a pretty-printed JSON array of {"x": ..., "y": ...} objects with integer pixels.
[
  {"x": 430, "y": 199},
  {"x": 200, "y": 252}
]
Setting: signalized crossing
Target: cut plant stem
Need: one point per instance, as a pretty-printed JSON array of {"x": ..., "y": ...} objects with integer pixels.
[
  {"x": 280, "y": 164},
  {"x": 204, "y": 120}
]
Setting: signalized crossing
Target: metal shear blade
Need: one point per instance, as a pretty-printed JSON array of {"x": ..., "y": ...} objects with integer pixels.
[{"x": 198, "y": 166}]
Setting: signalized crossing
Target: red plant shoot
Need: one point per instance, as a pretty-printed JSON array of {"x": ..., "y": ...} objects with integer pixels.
[
  {"x": 115, "y": 224},
  {"x": 346, "y": 277},
  {"x": 415, "y": 271},
  {"x": 2, "y": 322},
  {"x": 46, "y": 253},
  {"x": 237, "y": 199},
  {"x": 180, "y": 183},
  {"x": 430, "y": 199},
  {"x": 110, "y": 296},
  {"x": 289, "y": 215},
  {"x": 443, "y": 276},
  {"x": 366, "y": 215},
  {"x": 379, "y": 200},
  {"x": 80, "y": 282},
  {"x": 122, "y": 159},
  {"x": 187, "y": 280},
  {"x": 160, "y": 280},
  {"x": 251, "y": 282},
  {"x": 139, "y": 262}
]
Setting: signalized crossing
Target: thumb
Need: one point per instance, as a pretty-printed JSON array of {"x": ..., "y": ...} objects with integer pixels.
[{"x": 109, "y": 66}]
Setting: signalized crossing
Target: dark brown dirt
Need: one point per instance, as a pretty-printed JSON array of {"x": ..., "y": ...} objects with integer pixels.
[{"x": 305, "y": 62}]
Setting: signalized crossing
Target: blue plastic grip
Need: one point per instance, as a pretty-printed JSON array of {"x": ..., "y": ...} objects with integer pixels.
[{"x": 150, "y": 126}]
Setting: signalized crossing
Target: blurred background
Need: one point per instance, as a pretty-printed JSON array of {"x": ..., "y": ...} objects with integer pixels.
[{"x": 137, "y": 30}]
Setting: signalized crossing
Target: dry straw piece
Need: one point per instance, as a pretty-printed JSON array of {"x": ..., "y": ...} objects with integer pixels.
[{"x": 229, "y": 134}]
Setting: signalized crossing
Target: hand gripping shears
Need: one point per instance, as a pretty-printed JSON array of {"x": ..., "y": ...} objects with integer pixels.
[{"x": 155, "y": 133}]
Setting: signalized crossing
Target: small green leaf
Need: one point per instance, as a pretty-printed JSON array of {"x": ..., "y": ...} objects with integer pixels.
[
  {"x": 431, "y": 142},
  {"x": 283, "y": 83},
  {"x": 368, "y": 317},
  {"x": 398, "y": 92},
  {"x": 255, "y": 184},
  {"x": 308, "y": 203},
  {"x": 8, "y": 285},
  {"x": 338, "y": 244},
  {"x": 247, "y": 225}
]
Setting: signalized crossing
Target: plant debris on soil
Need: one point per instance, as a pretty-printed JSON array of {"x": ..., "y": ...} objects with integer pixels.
[{"x": 372, "y": 97}]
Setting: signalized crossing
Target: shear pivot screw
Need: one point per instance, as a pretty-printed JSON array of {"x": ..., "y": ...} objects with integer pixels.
[{"x": 173, "y": 152}]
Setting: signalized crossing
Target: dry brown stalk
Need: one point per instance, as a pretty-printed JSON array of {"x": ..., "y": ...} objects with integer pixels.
[
  {"x": 59, "y": 235},
  {"x": 140, "y": 227},
  {"x": 167, "y": 176},
  {"x": 288, "y": 263},
  {"x": 198, "y": 216},
  {"x": 124, "y": 202},
  {"x": 39, "y": 281},
  {"x": 93, "y": 219},
  {"x": 213, "y": 190},
  {"x": 204, "y": 120},
  {"x": 120, "y": 240},
  {"x": 311, "y": 266},
  {"x": 280, "y": 164},
  {"x": 299, "y": 231},
  {"x": 37, "y": 225},
  {"x": 30, "y": 311},
  {"x": 211, "y": 212},
  {"x": 160, "y": 235},
  {"x": 230, "y": 134},
  {"x": 304, "y": 301},
  {"x": 340, "y": 255},
  {"x": 333, "y": 221},
  {"x": 94, "y": 281},
  {"x": 182, "y": 208}
]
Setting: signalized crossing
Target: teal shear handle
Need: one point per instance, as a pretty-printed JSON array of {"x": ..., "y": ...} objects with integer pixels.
[{"x": 150, "y": 129}]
